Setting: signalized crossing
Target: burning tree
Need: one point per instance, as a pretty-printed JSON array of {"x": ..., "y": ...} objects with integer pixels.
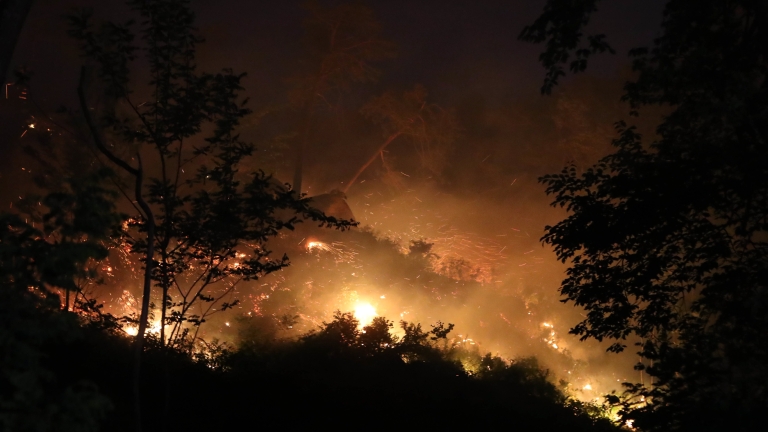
[{"x": 200, "y": 225}]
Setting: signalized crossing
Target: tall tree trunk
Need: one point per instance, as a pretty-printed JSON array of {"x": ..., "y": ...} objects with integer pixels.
[
  {"x": 13, "y": 13},
  {"x": 138, "y": 175},
  {"x": 138, "y": 347}
]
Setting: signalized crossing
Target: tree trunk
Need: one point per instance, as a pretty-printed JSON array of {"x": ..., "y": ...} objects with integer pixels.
[
  {"x": 13, "y": 13},
  {"x": 373, "y": 158},
  {"x": 138, "y": 347},
  {"x": 138, "y": 174}
]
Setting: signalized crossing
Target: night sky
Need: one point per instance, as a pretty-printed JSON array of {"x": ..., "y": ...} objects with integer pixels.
[{"x": 454, "y": 48}]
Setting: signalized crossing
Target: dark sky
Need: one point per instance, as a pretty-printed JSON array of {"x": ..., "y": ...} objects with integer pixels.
[
  {"x": 461, "y": 51},
  {"x": 453, "y": 47}
]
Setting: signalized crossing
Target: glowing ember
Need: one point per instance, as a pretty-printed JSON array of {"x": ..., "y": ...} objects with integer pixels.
[
  {"x": 587, "y": 387},
  {"x": 365, "y": 313},
  {"x": 154, "y": 328},
  {"x": 133, "y": 329},
  {"x": 316, "y": 245},
  {"x": 339, "y": 251}
]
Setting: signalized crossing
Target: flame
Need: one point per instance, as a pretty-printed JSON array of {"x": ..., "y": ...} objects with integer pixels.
[
  {"x": 133, "y": 329},
  {"x": 316, "y": 245},
  {"x": 339, "y": 251},
  {"x": 365, "y": 313}
]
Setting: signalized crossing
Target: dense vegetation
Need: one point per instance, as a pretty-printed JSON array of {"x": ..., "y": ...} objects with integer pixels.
[
  {"x": 667, "y": 236},
  {"x": 66, "y": 371},
  {"x": 335, "y": 376}
]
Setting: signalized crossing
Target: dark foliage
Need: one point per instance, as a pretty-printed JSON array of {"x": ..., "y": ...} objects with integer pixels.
[
  {"x": 34, "y": 396},
  {"x": 561, "y": 25},
  {"x": 669, "y": 240},
  {"x": 339, "y": 376}
]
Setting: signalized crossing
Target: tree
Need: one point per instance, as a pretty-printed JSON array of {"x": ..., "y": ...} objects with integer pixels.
[
  {"x": 668, "y": 240},
  {"x": 376, "y": 338},
  {"x": 35, "y": 264},
  {"x": 429, "y": 127},
  {"x": 343, "y": 42},
  {"x": 201, "y": 226},
  {"x": 560, "y": 26}
]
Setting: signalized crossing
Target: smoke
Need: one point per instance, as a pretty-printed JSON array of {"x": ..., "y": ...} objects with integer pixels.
[{"x": 479, "y": 265}]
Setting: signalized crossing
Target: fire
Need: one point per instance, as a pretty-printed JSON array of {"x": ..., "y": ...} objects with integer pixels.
[
  {"x": 365, "y": 313},
  {"x": 316, "y": 245},
  {"x": 338, "y": 250},
  {"x": 133, "y": 329}
]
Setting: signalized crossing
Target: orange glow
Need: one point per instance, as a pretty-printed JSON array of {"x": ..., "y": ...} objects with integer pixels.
[
  {"x": 365, "y": 313},
  {"x": 313, "y": 245}
]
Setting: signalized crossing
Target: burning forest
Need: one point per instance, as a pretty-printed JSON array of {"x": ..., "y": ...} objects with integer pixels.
[{"x": 375, "y": 212}]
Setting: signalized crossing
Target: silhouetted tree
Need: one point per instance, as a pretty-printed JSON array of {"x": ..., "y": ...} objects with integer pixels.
[
  {"x": 35, "y": 263},
  {"x": 201, "y": 233},
  {"x": 561, "y": 27},
  {"x": 668, "y": 240},
  {"x": 376, "y": 337}
]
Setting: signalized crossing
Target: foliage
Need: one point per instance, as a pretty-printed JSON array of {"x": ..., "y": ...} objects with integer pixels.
[
  {"x": 668, "y": 240},
  {"x": 34, "y": 265},
  {"x": 361, "y": 370},
  {"x": 209, "y": 227},
  {"x": 560, "y": 25}
]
